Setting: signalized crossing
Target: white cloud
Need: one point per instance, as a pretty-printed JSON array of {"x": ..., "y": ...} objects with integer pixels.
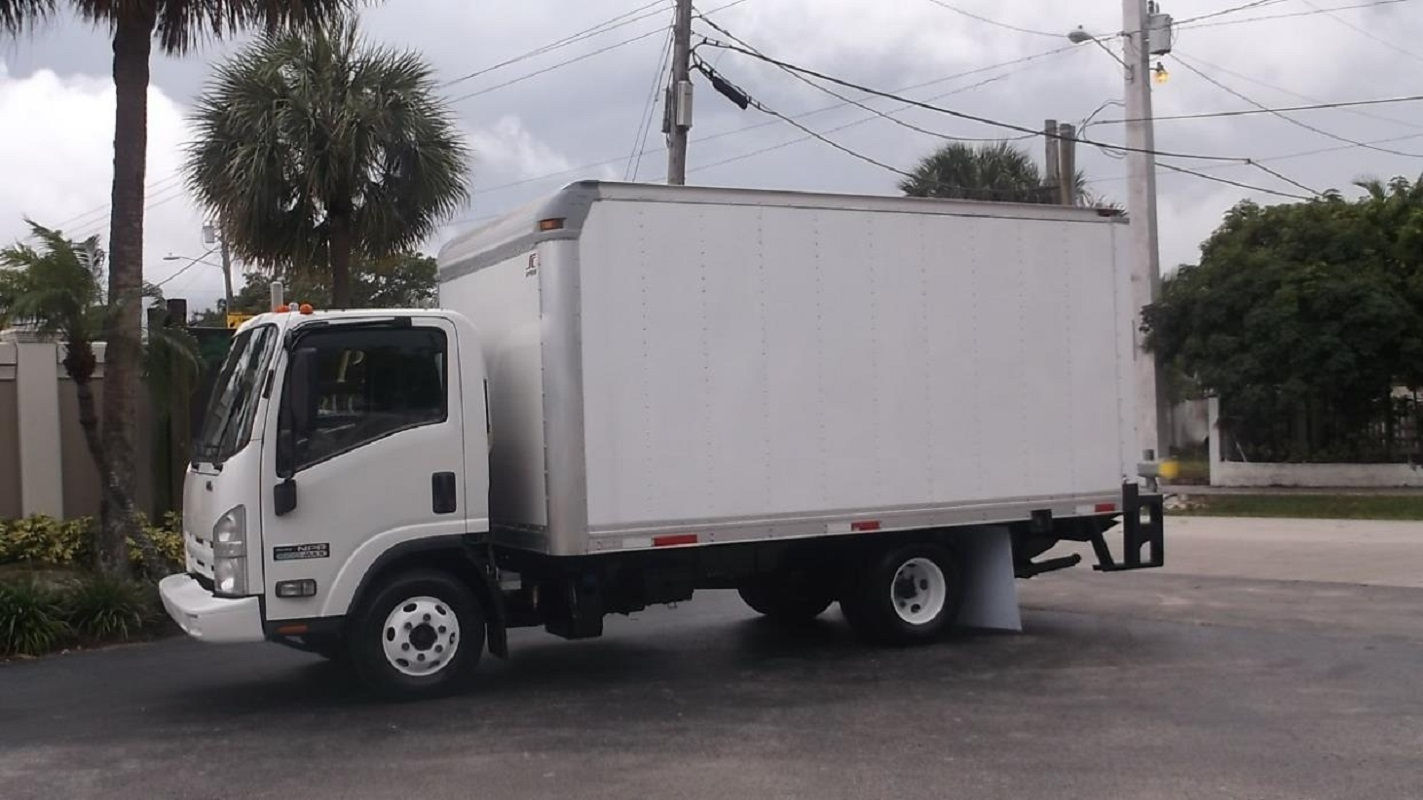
[
  {"x": 56, "y": 142},
  {"x": 508, "y": 148}
]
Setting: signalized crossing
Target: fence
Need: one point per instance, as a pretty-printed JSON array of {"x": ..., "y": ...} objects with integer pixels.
[{"x": 1390, "y": 438}]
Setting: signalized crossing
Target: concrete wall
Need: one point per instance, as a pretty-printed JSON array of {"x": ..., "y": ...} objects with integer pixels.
[
  {"x": 1241, "y": 473},
  {"x": 45, "y": 465},
  {"x": 9, "y": 435}
]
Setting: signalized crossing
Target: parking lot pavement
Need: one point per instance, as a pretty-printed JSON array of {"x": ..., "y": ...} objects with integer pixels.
[{"x": 1225, "y": 681}]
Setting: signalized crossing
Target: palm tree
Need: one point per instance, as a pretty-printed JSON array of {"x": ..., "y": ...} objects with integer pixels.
[
  {"x": 56, "y": 289},
  {"x": 177, "y": 25},
  {"x": 312, "y": 149},
  {"x": 996, "y": 171}
]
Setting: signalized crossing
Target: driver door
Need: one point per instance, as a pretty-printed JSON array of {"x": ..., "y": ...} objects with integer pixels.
[{"x": 381, "y": 463}]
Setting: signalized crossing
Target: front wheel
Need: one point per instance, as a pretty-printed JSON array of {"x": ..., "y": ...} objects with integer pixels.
[
  {"x": 906, "y": 596},
  {"x": 420, "y": 635}
]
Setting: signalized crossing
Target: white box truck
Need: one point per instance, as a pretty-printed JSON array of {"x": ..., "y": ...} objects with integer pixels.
[{"x": 633, "y": 392}]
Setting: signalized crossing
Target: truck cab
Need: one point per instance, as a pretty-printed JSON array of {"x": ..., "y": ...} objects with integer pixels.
[{"x": 333, "y": 443}]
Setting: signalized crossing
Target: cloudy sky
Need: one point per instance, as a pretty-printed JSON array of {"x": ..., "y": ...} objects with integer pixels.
[{"x": 581, "y": 115}]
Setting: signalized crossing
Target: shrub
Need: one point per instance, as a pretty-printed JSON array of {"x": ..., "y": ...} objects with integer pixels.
[
  {"x": 104, "y": 608},
  {"x": 31, "y": 619},
  {"x": 45, "y": 540}
]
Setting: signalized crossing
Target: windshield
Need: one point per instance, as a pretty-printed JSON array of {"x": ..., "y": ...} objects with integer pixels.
[{"x": 228, "y": 422}]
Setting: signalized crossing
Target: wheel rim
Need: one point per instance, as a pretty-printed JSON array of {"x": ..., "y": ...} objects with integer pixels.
[
  {"x": 918, "y": 591},
  {"x": 420, "y": 636}
]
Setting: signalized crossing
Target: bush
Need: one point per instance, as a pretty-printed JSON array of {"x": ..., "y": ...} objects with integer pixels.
[
  {"x": 45, "y": 540},
  {"x": 104, "y": 608},
  {"x": 31, "y": 619}
]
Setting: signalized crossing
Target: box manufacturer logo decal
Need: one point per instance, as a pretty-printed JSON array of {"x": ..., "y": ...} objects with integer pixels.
[{"x": 297, "y": 552}]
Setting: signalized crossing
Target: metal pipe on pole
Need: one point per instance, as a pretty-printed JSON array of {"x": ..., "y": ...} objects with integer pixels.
[
  {"x": 679, "y": 95},
  {"x": 1141, "y": 210}
]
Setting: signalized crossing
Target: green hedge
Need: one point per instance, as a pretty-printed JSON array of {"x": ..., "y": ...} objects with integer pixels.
[
  {"x": 41, "y": 540},
  {"x": 38, "y": 617}
]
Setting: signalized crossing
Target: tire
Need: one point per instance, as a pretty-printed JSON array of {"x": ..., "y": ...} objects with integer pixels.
[
  {"x": 908, "y": 595},
  {"x": 419, "y": 635},
  {"x": 786, "y": 600}
]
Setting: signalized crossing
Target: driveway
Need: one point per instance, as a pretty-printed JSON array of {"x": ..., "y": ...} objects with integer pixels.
[{"x": 1273, "y": 659}]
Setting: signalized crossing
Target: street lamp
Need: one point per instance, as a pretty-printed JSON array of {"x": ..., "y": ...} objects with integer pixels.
[{"x": 202, "y": 259}]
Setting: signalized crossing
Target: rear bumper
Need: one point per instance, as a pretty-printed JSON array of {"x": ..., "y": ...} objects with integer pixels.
[{"x": 212, "y": 619}]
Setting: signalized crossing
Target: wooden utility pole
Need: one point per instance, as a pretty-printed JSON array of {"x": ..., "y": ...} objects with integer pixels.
[{"x": 679, "y": 95}]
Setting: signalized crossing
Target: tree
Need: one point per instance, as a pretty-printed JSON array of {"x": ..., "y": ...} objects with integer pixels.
[
  {"x": 406, "y": 280},
  {"x": 316, "y": 149},
  {"x": 1302, "y": 318},
  {"x": 996, "y": 171},
  {"x": 57, "y": 290},
  {"x": 177, "y": 25}
]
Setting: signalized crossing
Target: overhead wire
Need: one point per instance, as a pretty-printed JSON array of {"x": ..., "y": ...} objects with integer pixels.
[
  {"x": 962, "y": 114},
  {"x": 1277, "y": 113},
  {"x": 994, "y": 22},
  {"x": 573, "y": 38},
  {"x": 1347, "y": 107},
  {"x": 639, "y": 139},
  {"x": 1362, "y": 32},
  {"x": 849, "y": 100},
  {"x": 1262, "y": 109},
  {"x": 1288, "y": 15},
  {"x": 559, "y": 65}
]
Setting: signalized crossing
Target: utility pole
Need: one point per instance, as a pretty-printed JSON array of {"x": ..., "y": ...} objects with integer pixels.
[
  {"x": 1141, "y": 208},
  {"x": 679, "y": 95},
  {"x": 1050, "y": 158},
  {"x": 226, "y": 271},
  {"x": 1067, "y": 164}
]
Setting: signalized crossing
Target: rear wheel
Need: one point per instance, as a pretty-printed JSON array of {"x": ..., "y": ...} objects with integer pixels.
[
  {"x": 787, "y": 599},
  {"x": 420, "y": 634},
  {"x": 908, "y": 595}
]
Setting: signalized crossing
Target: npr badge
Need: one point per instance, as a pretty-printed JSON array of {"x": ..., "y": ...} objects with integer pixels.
[{"x": 298, "y": 552}]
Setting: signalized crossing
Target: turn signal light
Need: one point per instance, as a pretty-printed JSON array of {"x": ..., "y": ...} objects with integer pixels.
[
  {"x": 306, "y": 587},
  {"x": 551, "y": 224}
]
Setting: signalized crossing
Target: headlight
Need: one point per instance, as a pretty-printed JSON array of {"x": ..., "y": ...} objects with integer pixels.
[{"x": 229, "y": 550}]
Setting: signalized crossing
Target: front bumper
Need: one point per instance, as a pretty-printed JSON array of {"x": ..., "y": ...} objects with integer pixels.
[{"x": 212, "y": 619}]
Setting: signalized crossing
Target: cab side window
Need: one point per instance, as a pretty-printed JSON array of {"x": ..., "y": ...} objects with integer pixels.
[{"x": 372, "y": 383}]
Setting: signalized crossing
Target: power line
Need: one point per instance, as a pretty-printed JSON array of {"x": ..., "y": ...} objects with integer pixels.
[
  {"x": 639, "y": 139},
  {"x": 706, "y": 69},
  {"x": 1230, "y": 182},
  {"x": 1260, "y": 109},
  {"x": 587, "y": 33},
  {"x": 1020, "y": 63},
  {"x": 1355, "y": 28},
  {"x": 1345, "y": 107},
  {"x": 994, "y": 22},
  {"x": 186, "y": 267},
  {"x": 961, "y": 114},
  {"x": 1306, "y": 126},
  {"x": 1265, "y": 17},
  {"x": 559, "y": 65},
  {"x": 1232, "y": 10}
]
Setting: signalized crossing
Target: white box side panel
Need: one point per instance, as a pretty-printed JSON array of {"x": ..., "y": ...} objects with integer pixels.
[
  {"x": 503, "y": 303},
  {"x": 744, "y": 361}
]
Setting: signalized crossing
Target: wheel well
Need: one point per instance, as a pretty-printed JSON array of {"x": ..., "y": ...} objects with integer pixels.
[{"x": 453, "y": 558}]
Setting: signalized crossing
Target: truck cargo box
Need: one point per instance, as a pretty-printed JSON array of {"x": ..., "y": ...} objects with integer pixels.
[{"x": 674, "y": 366}]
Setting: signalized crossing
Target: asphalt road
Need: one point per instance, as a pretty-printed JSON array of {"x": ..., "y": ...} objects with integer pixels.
[{"x": 1200, "y": 681}]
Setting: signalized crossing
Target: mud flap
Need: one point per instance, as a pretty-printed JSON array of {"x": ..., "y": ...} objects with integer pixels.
[{"x": 990, "y": 590}]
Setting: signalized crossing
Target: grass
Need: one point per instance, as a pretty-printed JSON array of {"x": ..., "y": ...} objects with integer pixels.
[{"x": 1305, "y": 506}]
